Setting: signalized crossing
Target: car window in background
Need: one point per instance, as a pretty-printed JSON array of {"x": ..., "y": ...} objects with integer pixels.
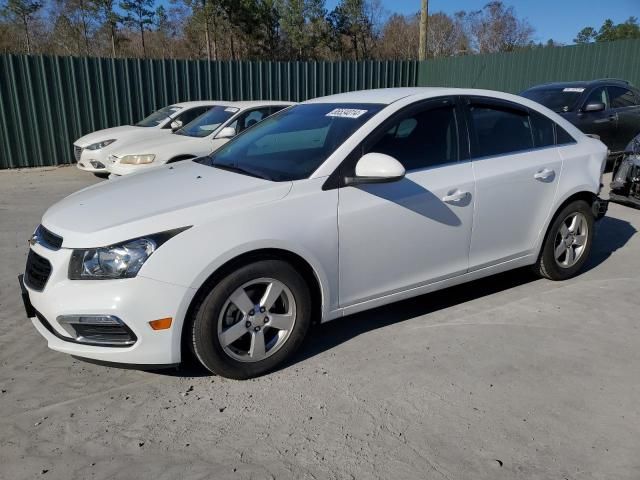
[
  {"x": 421, "y": 139},
  {"x": 206, "y": 123},
  {"x": 558, "y": 99},
  {"x": 250, "y": 118},
  {"x": 156, "y": 118},
  {"x": 499, "y": 131},
  {"x": 621, "y": 97},
  {"x": 543, "y": 130},
  {"x": 599, "y": 95},
  {"x": 293, "y": 143},
  {"x": 189, "y": 115}
]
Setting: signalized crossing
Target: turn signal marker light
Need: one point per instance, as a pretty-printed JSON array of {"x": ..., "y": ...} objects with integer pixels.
[{"x": 161, "y": 323}]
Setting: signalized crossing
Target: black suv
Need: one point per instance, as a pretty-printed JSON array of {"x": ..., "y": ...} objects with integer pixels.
[{"x": 608, "y": 108}]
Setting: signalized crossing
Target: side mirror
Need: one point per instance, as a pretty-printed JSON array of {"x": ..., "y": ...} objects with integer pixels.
[
  {"x": 226, "y": 132},
  {"x": 376, "y": 168},
  {"x": 594, "y": 107},
  {"x": 175, "y": 125}
]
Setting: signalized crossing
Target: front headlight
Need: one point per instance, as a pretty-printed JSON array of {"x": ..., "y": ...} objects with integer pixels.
[
  {"x": 137, "y": 159},
  {"x": 122, "y": 260},
  {"x": 99, "y": 145}
]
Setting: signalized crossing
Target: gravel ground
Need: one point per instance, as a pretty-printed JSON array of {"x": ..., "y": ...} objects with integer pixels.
[{"x": 507, "y": 377}]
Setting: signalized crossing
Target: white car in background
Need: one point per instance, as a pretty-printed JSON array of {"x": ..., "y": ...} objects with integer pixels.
[
  {"x": 328, "y": 208},
  {"x": 202, "y": 136},
  {"x": 92, "y": 150}
]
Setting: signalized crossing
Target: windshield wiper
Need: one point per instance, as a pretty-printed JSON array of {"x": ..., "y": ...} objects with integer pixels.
[{"x": 233, "y": 168}]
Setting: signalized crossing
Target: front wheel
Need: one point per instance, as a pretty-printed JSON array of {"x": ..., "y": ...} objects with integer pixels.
[
  {"x": 568, "y": 243},
  {"x": 252, "y": 320}
]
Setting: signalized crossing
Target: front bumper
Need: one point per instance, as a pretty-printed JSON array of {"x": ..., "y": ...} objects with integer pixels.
[
  {"x": 94, "y": 161},
  {"x": 115, "y": 168},
  {"x": 136, "y": 301}
]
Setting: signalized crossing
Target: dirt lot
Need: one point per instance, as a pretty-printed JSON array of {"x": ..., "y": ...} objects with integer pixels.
[{"x": 508, "y": 377}]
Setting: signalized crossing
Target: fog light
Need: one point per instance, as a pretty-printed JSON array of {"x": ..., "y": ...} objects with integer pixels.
[
  {"x": 101, "y": 330},
  {"x": 161, "y": 324},
  {"x": 96, "y": 164}
]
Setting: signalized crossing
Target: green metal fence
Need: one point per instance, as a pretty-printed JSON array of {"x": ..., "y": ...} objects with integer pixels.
[
  {"x": 514, "y": 72},
  {"x": 48, "y": 102}
]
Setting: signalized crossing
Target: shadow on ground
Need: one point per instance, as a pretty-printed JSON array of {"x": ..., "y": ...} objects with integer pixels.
[{"x": 612, "y": 234}]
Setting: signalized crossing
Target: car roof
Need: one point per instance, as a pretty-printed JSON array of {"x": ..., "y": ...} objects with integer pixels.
[
  {"x": 582, "y": 84},
  {"x": 198, "y": 103},
  {"x": 255, "y": 103}
]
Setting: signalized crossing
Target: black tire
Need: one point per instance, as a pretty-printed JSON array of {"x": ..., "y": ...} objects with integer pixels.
[
  {"x": 103, "y": 175},
  {"x": 547, "y": 266},
  {"x": 204, "y": 326}
]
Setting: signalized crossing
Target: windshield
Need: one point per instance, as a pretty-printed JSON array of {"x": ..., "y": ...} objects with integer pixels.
[
  {"x": 158, "y": 117},
  {"x": 292, "y": 144},
  {"x": 206, "y": 123},
  {"x": 558, "y": 99}
]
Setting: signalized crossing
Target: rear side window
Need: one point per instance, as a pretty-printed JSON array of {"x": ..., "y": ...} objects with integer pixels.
[
  {"x": 621, "y": 97},
  {"x": 421, "y": 138},
  {"x": 499, "y": 131},
  {"x": 543, "y": 130},
  {"x": 563, "y": 137}
]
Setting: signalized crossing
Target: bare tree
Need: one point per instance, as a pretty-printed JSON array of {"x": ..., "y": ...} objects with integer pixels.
[
  {"x": 138, "y": 15},
  {"x": 106, "y": 9},
  {"x": 23, "y": 11},
  {"x": 496, "y": 28}
]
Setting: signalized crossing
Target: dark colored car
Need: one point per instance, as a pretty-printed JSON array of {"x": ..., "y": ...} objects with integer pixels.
[{"x": 608, "y": 108}]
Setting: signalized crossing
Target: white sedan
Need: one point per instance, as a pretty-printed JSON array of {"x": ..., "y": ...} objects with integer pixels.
[
  {"x": 198, "y": 138},
  {"x": 334, "y": 206},
  {"x": 92, "y": 150}
]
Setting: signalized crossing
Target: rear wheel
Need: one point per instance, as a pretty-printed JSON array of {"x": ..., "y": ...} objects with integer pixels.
[
  {"x": 252, "y": 320},
  {"x": 568, "y": 243}
]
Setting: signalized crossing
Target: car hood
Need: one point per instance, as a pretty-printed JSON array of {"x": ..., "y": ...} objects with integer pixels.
[
  {"x": 108, "y": 134},
  {"x": 174, "y": 196},
  {"x": 159, "y": 144}
]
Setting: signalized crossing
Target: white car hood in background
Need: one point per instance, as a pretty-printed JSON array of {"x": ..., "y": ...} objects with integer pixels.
[
  {"x": 165, "y": 147},
  {"x": 175, "y": 196},
  {"x": 110, "y": 133}
]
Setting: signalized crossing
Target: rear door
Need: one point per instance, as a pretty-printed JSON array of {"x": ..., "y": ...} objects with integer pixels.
[
  {"x": 516, "y": 167},
  {"x": 626, "y": 106}
]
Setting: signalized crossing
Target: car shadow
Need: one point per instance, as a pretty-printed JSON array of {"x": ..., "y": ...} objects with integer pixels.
[{"x": 612, "y": 234}]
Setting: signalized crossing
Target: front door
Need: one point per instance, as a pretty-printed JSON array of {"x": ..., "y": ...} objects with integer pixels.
[
  {"x": 395, "y": 236},
  {"x": 626, "y": 107},
  {"x": 516, "y": 167}
]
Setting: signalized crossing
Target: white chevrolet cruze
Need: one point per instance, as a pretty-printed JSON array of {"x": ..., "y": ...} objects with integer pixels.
[
  {"x": 330, "y": 207},
  {"x": 92, "y": 150}
]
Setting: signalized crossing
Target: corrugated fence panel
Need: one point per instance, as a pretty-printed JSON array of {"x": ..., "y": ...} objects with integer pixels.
[
  {"x": 47, "y": 102},
  {"x": 514, "y": 72}
]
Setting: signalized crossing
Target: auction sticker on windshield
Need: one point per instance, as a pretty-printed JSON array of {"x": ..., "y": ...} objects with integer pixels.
[
  {"x": 346, "y": 113},
  {"x": 574, "y": 89},
  {"x": 231, "y": 109}
]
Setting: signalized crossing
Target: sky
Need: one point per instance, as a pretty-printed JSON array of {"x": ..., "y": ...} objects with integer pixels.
[{"x": 560, "y": 20}]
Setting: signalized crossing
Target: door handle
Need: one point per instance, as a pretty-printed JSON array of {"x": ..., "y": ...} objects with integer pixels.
[
  {"x": 455, "y": 196},
  {"x": 544, "y": 174}
]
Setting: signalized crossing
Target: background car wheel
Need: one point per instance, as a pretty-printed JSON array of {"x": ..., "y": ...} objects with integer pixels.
[
  {"x": 252, "y": 320},
  {"x": 568, "y": 242}
]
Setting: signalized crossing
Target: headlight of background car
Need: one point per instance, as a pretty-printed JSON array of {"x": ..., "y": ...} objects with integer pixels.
[
  {"x": 122, "y": 260},
  {"x": 137, "y": 159},
  {"x": 99, "y": 145}
]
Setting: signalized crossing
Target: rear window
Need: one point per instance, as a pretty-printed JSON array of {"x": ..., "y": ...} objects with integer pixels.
[
  {"x": 621, "y": 97},
  {"x": 558, "y": 99}
]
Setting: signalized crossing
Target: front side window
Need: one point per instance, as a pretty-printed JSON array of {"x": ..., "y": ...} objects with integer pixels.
[
  {"x": 599, "y": 95},
  {"x": 499, "y": 131},
  {"x": 421, "y": 139},
  {"x": 206, "y": 123},
  {"x": 158, "y": 117},
  {"x": 189, "y": 115},
  {"x": 293, "y": 143},
  {"x": 621, "y": 97}
]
